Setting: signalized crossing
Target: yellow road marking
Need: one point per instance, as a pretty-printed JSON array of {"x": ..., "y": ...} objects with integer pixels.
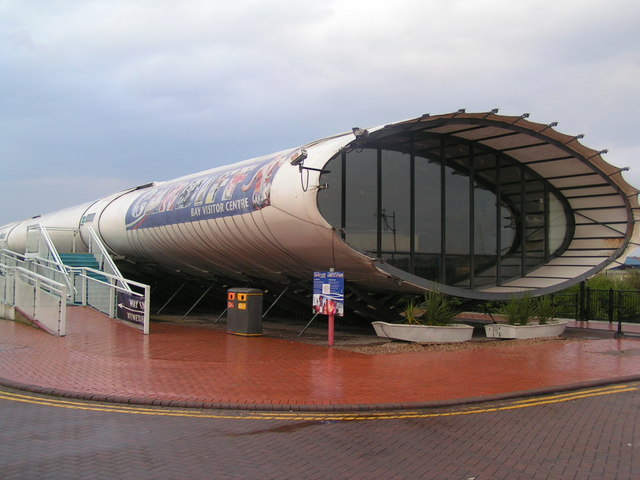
[
  {"x": 581, "y": 392},
  {"x": 193, "y": 413}
]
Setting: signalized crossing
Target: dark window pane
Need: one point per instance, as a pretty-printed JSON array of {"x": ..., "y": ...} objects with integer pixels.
[
  {"x": 534, "y": 207},
  {"x": 457, "y": 227},
  {"x": 510, "y": 220},
  {"x": 396, "y": 213},
  {"x": 517, "y": 220},
  {"x": 428, "y": 225},
  {"x": 484, "y": 228},
  {"x": 330, "y": 199},
  {"x": 362, "y": 199},
  {"x": 557, "y": 223}
]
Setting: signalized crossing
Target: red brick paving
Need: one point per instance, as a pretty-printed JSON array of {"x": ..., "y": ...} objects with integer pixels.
[{"x": 187, "y": 366}]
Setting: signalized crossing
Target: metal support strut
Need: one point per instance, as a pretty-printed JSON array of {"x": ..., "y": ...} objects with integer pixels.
[
  {"x": 221, "y": 315},
  {"x": 198, "y": 301},
  {"x": 171, "y": 298},
  {"x": 308, "y": 324},
  {"x": 275, "y": 301}
]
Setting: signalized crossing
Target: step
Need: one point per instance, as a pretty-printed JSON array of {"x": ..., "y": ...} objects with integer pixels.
[
  {"x": 79, "y": 260},
  {"x": 97, "y": 276}
]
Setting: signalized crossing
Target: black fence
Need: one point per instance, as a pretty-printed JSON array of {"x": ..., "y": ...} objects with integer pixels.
[
  {"x": 583, "y": 304},
  {"x": 606, "y": 305},
  {"x": 613, "y": 306}
]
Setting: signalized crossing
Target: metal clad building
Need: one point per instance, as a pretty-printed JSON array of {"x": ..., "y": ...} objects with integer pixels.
[{"x": 478, "y": 205}]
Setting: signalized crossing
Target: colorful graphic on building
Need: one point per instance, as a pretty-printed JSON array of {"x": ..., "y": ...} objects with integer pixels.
[{"x": 224, "y": 193}]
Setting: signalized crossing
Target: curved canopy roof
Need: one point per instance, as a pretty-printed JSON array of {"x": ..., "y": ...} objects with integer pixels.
[{"x": 603, "y": 206}]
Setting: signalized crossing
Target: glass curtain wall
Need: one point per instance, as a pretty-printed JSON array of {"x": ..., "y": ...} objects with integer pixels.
[{"x": 445, "y": 210}]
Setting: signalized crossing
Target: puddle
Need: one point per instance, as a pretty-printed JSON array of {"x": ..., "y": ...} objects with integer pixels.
[
  {"x": 7, "y": 347},
  {"x": 288, "y": 428},
  {"x": 632, "y": 352}
]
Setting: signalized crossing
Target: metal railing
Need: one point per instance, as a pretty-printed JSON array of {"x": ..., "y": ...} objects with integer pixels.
[
  {"x": 39, "y": 244},
  {"x": 111, "y": 294},
  {"x": 50, "y": 269},
  {"x": 589, "y": 304},
  {"x": 40, "y": 299},
  {"x": 104, "y": 292},
  {"x": 12, "y": 259},
  {"x": 610, "y": 305},
  {"x": 606, "y": 305},
  {"x": 97, "y": 248},
  {"x": 37, "y": 233}
]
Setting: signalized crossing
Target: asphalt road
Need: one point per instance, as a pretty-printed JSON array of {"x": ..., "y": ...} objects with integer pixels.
[{"x": 589, "y": 434}]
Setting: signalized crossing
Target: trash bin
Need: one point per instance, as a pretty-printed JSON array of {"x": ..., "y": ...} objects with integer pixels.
[{"x": 244, "y": 311}]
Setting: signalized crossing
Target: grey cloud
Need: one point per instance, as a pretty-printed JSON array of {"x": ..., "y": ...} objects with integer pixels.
[{"x": 142, "y": 90}]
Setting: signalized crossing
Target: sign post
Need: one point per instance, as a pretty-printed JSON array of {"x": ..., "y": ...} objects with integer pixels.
[{"x": 328, "y": 297}]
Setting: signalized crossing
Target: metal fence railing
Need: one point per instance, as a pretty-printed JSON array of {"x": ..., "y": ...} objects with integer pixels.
[
  {"x": 97, "y": 248},
  {"x": 590, "y": 304},
  {"x": 109, "y": 293},
  {"x": 567, "y": 304},
  {"x": 607, "y": 305},
  {"x": 105, "y": 292},
  {"x": 38, "y": 298}
]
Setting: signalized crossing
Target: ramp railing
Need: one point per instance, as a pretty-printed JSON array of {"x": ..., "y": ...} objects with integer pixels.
[
  {"x": 39, "y": 299},
  {"x": 41, "y": 247},
  {"x": 107, "y": 265},
  {"x": 39, "y": 244},
  {"x": 113, "y": 295},
  {"x": 104, "y": 292}
]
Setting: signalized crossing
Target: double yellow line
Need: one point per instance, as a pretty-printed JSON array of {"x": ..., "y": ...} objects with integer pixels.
[{"x": 300, "y": 416}]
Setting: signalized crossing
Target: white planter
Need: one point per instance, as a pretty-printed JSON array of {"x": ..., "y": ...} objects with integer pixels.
[
  {"x": 423, "y": 333},
  {"x": 504, "y": 330}
]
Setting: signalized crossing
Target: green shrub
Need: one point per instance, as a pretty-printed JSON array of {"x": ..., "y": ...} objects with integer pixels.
[
  {"x": 438, "y": 309},
  {"x": 435, "y": 310},
  {"x": 412, "y": 313},
  {"x": 519, "y": 310},
  {"x": 632, "y": 280},
  {"x": 545, "y": 310},
  {"x": 603, "y": 282}
]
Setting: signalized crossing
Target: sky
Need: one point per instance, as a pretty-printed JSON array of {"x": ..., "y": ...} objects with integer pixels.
[{"x": 100, "y": 95}]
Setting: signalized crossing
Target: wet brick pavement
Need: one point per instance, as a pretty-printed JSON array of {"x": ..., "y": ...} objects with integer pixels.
[
  {"x": 588, "y": 437},
  {"x": 102, "y": 359}
]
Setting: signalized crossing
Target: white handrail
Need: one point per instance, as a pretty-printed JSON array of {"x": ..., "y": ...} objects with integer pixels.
[
  {"x": 105, "y": 259},
  {"x": 108, "y": 296},
  {"x": 75, "y": 234},
  {"x": 16, "y": 258},
  {"x": 36, "y": 303},
  {"x": 108, "y": 303},
  {"x": 50, "y": 250}
]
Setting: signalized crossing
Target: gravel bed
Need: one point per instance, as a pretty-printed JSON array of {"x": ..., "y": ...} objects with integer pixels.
[{"x": 407, "y": 347}]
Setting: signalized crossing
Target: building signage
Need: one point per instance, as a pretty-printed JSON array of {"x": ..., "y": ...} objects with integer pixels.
[
  {"x": 328, "y": 293},
  {"x": 131, "y": 308},
  {"x": 234, "y": 191}
]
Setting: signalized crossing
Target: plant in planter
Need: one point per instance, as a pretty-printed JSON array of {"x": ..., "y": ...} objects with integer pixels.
[
  {"x": 412, "y": 313},
  {"x": 545, "y": 311},
  {"x": 438, "y": 309},
  {"x": 428, "y": 322},
  {"x": 527, "y": 318},
  {"x": 519, "y": 311}
]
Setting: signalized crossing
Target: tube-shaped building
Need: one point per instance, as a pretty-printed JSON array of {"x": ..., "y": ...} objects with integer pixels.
[{"x": 478, "y": 205}]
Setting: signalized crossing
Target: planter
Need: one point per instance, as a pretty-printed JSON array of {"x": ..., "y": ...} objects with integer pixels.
[
  {"x": 504, "y": 330},
  {"x": 423, "y": 333}
]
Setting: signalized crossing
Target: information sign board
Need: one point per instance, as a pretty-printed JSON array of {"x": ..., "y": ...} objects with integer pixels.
[{"x": 328, "y": 293}]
